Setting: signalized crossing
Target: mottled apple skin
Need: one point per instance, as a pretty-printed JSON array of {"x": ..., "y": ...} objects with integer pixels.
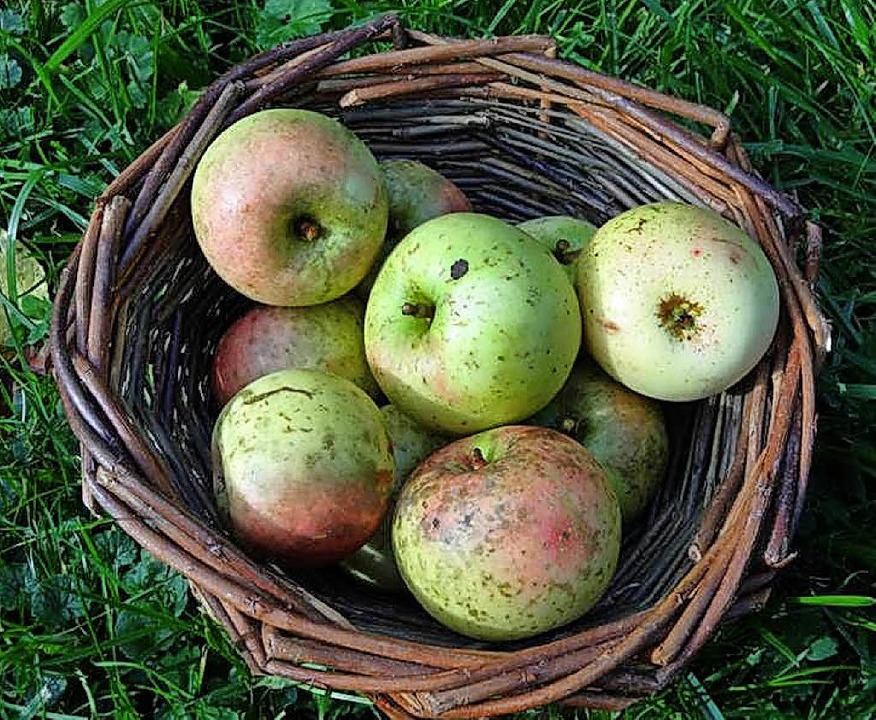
[
  {"x": 564, "y": 236},
  {"x": 325, "y": 337},
  {"x": 678, "y": 303},
  {"x": 374, "y": 563},
  {"x": 417, "y": 193},
  {"x": 302, "y": 467},
  {"x": 267, "y": 177},
  {"x": 625, "y": 432},
  {"x": 511, "y": 541},
  {"x": 505, "y": 331}
]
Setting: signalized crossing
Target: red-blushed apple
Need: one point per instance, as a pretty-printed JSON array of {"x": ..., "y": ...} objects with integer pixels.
[
  {"x": 325, "y": 337},
  {"x": 678, "y": 303},
  {"x": 289, "y": 207},
  {"x": 374, "y": 563},
  {"x": 508, "y": 533},
  {"x": 564, "y": 235},
  {"x": 302, "y": 467},
  {"x": 471, "y": 324},
  {"x": 624, "y": 431},
  {"x": 417, "y": 193}
]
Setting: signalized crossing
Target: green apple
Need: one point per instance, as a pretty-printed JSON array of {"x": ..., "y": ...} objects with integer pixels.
[
  {"x": 374, "y": 563},
  {"x": 625, "y": 432},
  {"x": 302, "y": 467},
  {"x": 471, "y": 324},
  {"x": 564, "y": 235},
  {"x": 289, "y": 207},
  {"x": 507, "y": 533},
  {"x": 678, "y": 303},
  {"x": 324, "y": 337}
]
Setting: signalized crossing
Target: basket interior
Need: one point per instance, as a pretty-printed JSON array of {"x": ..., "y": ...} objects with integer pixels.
[{"x": 513, "y": 160}]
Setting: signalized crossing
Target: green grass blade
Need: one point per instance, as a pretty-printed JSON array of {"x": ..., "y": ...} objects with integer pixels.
[
  {"x": 848, "y": 601},
  {"x": 78, "y": 37}
]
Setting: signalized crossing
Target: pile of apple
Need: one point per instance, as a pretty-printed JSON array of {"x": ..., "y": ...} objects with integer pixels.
[{"x": 439, "y": 401}]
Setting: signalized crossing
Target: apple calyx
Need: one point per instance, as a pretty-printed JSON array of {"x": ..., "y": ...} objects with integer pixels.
[
  {"x": 569, "y": 425},
  {"x": 678, "y": 316},
  {"x": 564, "y": 254},
  {"x": 476, "y": 459},
  {"x": 307, "y": 229},
  {"x": 419, "y": 310}
]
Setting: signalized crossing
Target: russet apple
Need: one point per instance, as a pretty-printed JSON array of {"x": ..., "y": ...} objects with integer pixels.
[
  {"x": 289, "y": 207},
  {"x": 417, "y": 193},
  {"x": 325, "y": 337},
  {"x": 507, "y": 533},
  {"x": 374, "y": 563},
  {"x": 302, "y": 467},
  {"x": 625, "y": 432}
]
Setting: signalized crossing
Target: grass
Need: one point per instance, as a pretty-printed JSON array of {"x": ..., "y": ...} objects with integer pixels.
[{"x": 90, "y": 626}]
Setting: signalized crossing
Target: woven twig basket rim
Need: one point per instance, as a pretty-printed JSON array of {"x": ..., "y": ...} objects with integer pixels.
[{"x": 282, "y": 628}]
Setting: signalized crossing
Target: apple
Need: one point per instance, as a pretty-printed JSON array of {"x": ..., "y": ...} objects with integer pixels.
[
  {"x": 625, "y": 432},
  {"x": 30, "y": 283},
  {"x": 564, "y": 235},
  {"x": 471, "y": 324},
  {"x": 374, "y": 563},
  {"x": 507, "y": 533},
  {"x": 289, "y": 207},
  {"x": 678, "y": 303},
  {"x": 302, "y": 467},
  {"x": 324, "y": 337},
  {"x": 417, "y": 193}
]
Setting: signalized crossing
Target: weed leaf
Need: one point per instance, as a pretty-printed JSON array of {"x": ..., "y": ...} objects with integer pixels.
[
  {"x": 11, "y": 22},
  {"x": 10, "y": 72},
  {"x": 116, "y": 548},
  {"x": 16, "y": 584},
  {"x": 823, "y": 648},
  {"x": 55, "y": 603},
  {"x": 283, "y": 20}
]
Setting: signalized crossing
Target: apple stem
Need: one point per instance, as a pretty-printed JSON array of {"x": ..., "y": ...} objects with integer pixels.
[
  {"x": 564, "y": 254},
  {"x": 418, "y": 310},
  {"x": 307, "y": 229},
  {"x": 477, "y": 459}
]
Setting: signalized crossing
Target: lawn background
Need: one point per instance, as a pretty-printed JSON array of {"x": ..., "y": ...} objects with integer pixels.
[{"x": 90, "y": 626}]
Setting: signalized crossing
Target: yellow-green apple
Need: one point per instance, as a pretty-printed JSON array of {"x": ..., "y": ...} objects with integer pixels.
[
  {"x": 564, "y": 235},
  {"x": 625, "y": 432},
  {"x": 289, "y": 207},
  {"x": 302, "y": 467},
  {"x": 374, "y": 563},
  {"x": 678, "y": 303},
  {"x": 507, "y": 533},
  {"x": 266, "y": 338},
  {"x": 471, "y": 324}
]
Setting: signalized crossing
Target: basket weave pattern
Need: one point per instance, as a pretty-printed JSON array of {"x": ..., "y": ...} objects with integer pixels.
[{"x": 139, "y": 312}]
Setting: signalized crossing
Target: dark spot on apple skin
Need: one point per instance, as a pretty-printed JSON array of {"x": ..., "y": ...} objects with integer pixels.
[
  {"x": 610, "y": 326},
  {"x": 697, "y": 252},
  {"x": 734, "y": 258},
  {"x": 458, "y": 269}
]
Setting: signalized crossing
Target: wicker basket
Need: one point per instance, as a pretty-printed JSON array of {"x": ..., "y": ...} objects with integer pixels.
[{"x": 139, "y": 312}]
